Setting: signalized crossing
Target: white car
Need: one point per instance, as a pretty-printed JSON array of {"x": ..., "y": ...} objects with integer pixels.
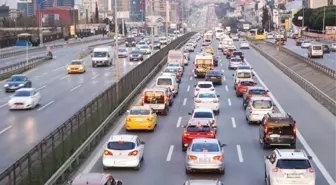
[
  {"x": 257, "y": 108},
  {"x": 123, "y": 151},
  {"x": 244, "y": 45},
  {"x": 305, "y": 44},
  {"x": 122, "y": 53},
  {"x": 333, "y": 47},
  {"x": 25, "y": 98},
  {"x": 235, "y": 38},
  {"x": 269, "y": 36},
  {"x": 208, "y": 100},
  {"x": 204, "y": 114},
  {"x": 141, "y": 43},
  {"x": 145, "y": 50},
  {"x": 185, "y": 60},
  {"x": 203, "y": 86}
]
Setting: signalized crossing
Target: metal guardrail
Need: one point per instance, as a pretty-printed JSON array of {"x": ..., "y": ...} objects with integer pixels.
[
  {"x": 326, "y": 70},
  {"x": 40, "y": 163},
  {"x": 54, "y": 46},
  {"x": 320, "y": 96}
]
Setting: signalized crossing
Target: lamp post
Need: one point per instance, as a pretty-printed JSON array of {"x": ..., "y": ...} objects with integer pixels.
[
  {"x": 40, "y": 22},
  {"x": 116, "y": 59}
]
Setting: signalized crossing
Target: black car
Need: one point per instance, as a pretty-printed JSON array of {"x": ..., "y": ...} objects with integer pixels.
[
  {"x": 277, "y": 129},
  {"x": 16, "y": 82},
  {"x": 215, "y": 76},
  {"x": 215, "y": 60},
  {"x": 326, "y": 49},
  {"x": 130, "y": 42},
  {"x": 135, "y": 55}
]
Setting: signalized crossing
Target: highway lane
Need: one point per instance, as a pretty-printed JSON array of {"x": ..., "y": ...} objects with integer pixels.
[
  {"x": 62, "y": 96},
  {"x": 56, "y": 52},
  {"x": 328, "y": 60},
  {"x": 164, "y": 160}
]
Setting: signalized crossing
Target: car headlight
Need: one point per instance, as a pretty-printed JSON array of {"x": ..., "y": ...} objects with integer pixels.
[
  {"x": 68, "y": 68},
  {"x": 21, "y": 85},
  {"x": 81, "y": 67},
  {"x": 6, "y": 85}
]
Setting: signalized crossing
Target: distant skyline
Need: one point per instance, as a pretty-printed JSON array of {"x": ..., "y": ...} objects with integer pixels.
[{"x": 13, "y": 3}]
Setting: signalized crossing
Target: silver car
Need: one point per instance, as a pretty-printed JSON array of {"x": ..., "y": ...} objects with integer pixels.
[
  {"x": 205, "y": 155},
  {"x": 122, "y": 53},
  {"x": 145, "y": 50},
  {"x": 203, "y": 182},
  {"x": 257, "y": 107}
]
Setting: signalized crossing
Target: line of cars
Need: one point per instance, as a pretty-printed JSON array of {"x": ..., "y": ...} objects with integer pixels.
[{"x": 315, "y": 49}]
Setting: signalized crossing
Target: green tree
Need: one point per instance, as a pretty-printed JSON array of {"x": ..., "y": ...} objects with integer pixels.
[
  {"x": 96, "y": 14},
  {"x": 265, "y": 18}
]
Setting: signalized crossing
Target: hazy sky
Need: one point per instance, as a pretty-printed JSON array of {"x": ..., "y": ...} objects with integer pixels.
[{"x": 12, "y": 3}]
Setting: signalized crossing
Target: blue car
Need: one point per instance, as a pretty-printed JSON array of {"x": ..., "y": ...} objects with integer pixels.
[
  {"x": 16, "y": 82},
  {"x": 135, "y": 55}
]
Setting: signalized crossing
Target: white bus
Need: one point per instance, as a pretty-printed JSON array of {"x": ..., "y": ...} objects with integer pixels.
[{"x": 219, "y": 32}]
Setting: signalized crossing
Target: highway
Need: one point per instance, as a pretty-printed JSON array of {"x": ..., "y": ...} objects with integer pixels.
[
  {"x": 56, "y": 52},
  {"x": 328, "y": 60},
  {"x": 62, "y": 96},
  {"x": 164, "y": 159}
]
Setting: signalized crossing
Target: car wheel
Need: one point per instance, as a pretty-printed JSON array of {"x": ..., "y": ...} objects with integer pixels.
[
  {"x": 293, "y": 146},
  {"x": 137, "y": 168},
  {"x": 171, "y": 103},
  {"x": 263, "y": 145},
  {"x": 187, "y": 171},
  {"x": 222, "y": 172}
]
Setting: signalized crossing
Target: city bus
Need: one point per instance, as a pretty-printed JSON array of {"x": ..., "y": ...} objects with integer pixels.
[
  {"x": 23, "y": 39},
  {"x": 257, "y": 34}
]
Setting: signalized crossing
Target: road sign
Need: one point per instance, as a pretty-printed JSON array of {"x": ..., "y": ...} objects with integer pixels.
[{"x": 123, "y": 15}]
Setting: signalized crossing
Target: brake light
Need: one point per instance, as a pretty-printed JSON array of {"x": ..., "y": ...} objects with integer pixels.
[
  {"x": 106, "y": 152},
  {"x": 186, "y": 134},
  {"x": 196, "y": 66},
  {"x": 251, "y": 111},
  {"x": 211, "y": 134},
  {"x": 213, "y": 122},
  {"x": 198, "y": 101},
  {"x": 218, "y": 158},
  {"x": 275, "y": 170},
  {"x": 266, "y": 128},
  {"x": 266, "y": 95},
  {"x": 249, "y": 95},
  {"x": 133, "y": 153},
  {"x": 192, "y": 157},
  {"x": 216, "y": 101},
  {"x": 311, "y": 170},
  {"x": 273, "y": 110},
  {"x": 197, "y": 89},
  {"x": 165, "y": 99},
  {"x": 294, "y": 126}
]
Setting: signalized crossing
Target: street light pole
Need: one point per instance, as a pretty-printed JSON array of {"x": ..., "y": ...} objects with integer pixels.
[
  {"x": 40, "y": 23},
  {"x": 116, "y": 59},
  {"x": 152, "y": 22}
]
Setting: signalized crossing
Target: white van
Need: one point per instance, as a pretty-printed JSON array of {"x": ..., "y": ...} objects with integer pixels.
[
  {"x": 168, "y": 81},
  {"x": 102, "y": 56},
  {"x": 242, "y": 74},
  {"x": 315, "y": 50}
]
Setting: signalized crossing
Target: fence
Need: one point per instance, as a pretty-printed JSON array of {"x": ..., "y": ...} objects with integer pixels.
[
  {"x": 39, "y": 164},
  {"x": 321, "y": 97}
]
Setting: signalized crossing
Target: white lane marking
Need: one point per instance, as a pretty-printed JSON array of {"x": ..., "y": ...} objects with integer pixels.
[
  {"x": 233, "y": 122},
  {"x": 229, "y": 101},
  {"x": 179, "y": 122},
  {"x": 240, "y": 154},
  {"x": 110, "y": 68},
  {"x": 41, "y": 87},
  {"x": 4, "y": 130},
  {"x": 309, "y": 150},
  {"x": 191, "y": 78},
  {"x": 222, "y": 70},
  {"x": 226, "y": 88},
  {"x": 170, "y": 152},
  {"x": 184, "y": 101},
  {"x": 58, "y": 68},
  {"x": 46, "y": 105},
  {"x": 95, "y": 76},
  {"x": 75, "y": 87},
  {"x": 3, "y": 105},
  {"x": 221, "y": 64},
  {"x": 64, "y": 77},
  {"x": 45, "y": 73},
  {"x": 188, "y": 89},
  {"x": 224, "y": 78}
]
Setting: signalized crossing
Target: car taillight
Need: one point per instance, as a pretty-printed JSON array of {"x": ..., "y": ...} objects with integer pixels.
[
  {"x": 106, "y": 152},
  {"x": 251, "y": 111},
  {"x": 310, "y": 170},
  {"x": 197, "y": 89},
  {"x": 275, "y": 170},
  {"x": 192, "y": 157},
  {"x": 216, "y": 101},
  {"x": 266, "y": 128},
  {"x": 186, "y": 134},
  {"x": 172, "y": 88},
  {"x": 134, "y": 153},
  {"x": 266, "y": 95},
  {"x": 211, "y": 134},
  {"x": 196, "y": 66},
  {"x": 213, "y": 122},
  {"x": 198, "y": 101},
  {"x": 165, "y": 99},
  {"x": 249, "y": 95},
  {"x": 218, "y": 158},
  {"x": 294, "y": 127},
  {"x": 273, "y": 110}
]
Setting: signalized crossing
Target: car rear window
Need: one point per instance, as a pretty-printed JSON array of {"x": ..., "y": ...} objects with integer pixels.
[
  {"x": 236, "y": 60},
  {"x": 317, "y": 47},
  {"x": 247, "y": 83},
  {"x": 283, "y": 127},
  {"x": 154, "y": 97},
  {"x": 207, "y": 95},
  {"x": 139, "y": 112},
  {"x": 164, "y": 81},
  {"x": 171, "y": 70},
  {"x": 198, "y": 128},
  {"x": 293, "y": 164},
  {"x": 204, "y": 85},
  {"x": 115, "y": 145},
  {"x": 262, "y": 104},
  {"x": 238, "y": 53},
  {"x": 257, "y": 91},
  {"x": 205, "y": 147},
  {"x": 203, "y": 115},
  {"x": 214, "y": 73}
]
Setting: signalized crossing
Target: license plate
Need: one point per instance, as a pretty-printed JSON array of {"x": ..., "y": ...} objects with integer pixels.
[
  {"x": 213, "y": 77},
  {"x": 19, "y": 106},
  {"x": 138, "y": 119},
  {"x": 275, "y": 136},
  {"x": 204, "y": 160},
  {"x": 119, "y": 162},
  {"x": 292, "y": 176}
]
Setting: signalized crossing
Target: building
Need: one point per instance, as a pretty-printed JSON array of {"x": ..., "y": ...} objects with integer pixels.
[
  {"x": 4, "y": 11},
  {"x": 14, "y": 13},
  {"x": 58, "y": 16},
  {"x": 317, "y": 3},
  {"x": 90, "y": 5},
  {"x": 137, "y": 10},
  {"x": 69, "y": 3},
  {"x": 26, "y": 11},
  {"x": 173, "y": 12}
]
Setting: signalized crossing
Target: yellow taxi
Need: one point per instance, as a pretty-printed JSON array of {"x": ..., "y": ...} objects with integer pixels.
[
  {"x": 76, "y": 66},
  {"x": 210, "y": 50},
  {"x": 141, "y": 118}
]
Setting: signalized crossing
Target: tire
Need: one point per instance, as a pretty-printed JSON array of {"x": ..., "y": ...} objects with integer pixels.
[
  {"x": 170, "y": 103},
  {"x": 263, "y": 145},
  {"x": 221, "y": 172},
  {"x": 187, "y": 171},
  {"x": 137, "y": 168},
  {"x": 293, "y": 146}
]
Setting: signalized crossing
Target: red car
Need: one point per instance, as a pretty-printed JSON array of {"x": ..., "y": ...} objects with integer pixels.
[
  {"x": 243, "y": 85},
  {"x": 196, "y": 129},
  {"x": 295, "y": 36}
]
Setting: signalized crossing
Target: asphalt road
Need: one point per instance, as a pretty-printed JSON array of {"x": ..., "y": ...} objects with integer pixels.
[
  {"x": 62, "y": 96},
  {"x": 328, "y": 60},
  {"x": 56, "y": 52},
  {"x": 164, "y": 163}
]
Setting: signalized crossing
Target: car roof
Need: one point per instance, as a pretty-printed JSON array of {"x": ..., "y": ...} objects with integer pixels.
[
  {"x": 90, "y": 179},
  {"x": 206, "y": 92},
  {"x": 260, "y": 98},
  {"x": 205, "y": 140},
  {"x": 26, "y": 89},
  {"x": 243, "y": 70},
  {"x": 154, "y": 89},
  {"x": 202, "y": 110},
  {"x": 291, "y": 153},
  {"x": 198, "y": 121},
  {"x": 124, "y": 137},
  {"x": 204, "y": 82}
]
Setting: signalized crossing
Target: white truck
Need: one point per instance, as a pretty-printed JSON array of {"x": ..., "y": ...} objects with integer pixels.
[
  {"x": 175, "y": 56},
  {"x": 203, "y": 63},
  {"x": 102, "y": 56}
]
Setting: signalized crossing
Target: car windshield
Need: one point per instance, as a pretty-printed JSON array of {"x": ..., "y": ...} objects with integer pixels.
[
  {"x": 16, "y": 79},
  {"x": 144, "y": 47},
  {"x": 236, "y": 60},
  {"x": 262, "y": 104},
  {"x": 130, "y": 40},
  {"x": 76, "y": 63},
  {"x": 122, "y": 145},
  {"x": 174, "y": 64},
  {"x": 122, "y": 50},
  {"x": 164, "y": 81},
  {"x": 198, "y": 128},
  {"x": 207, "y": 95},
  {"x": 214, "y": 73},
  {"x": 135, "y": 52},
  {"x": 293, "y": 164},
  {"x": 204, "y": 86},
  {"x": 22, "y": 94},
  {"x": 203, "y": 115},
  {"x": 257, "y": 91},
  {"x": 317, "y": 47},
  {"x": 99, "y": 54},
  {"x": 142, "y": 43},
  {"x": 156, "y": 42},
  {"x": 139, "y": 112},
  {"x": 205, "y": 147}
]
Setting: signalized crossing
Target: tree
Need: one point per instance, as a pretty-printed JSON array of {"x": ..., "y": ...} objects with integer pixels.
[
  {"x": 222, "y": 8},
  {"x": 96, "y": 14},
  {"x": 265, "y": 18},
  {"x": 107, "y": 21}
]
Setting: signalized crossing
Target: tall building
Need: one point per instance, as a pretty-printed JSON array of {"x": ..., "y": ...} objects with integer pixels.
[
  {"x": 70, "y": 3},
  {"x": 26, "y": 11},
  {"x": 137, "y": 10},
  {"x": 122, "y": 5},
  {"x": 173, "y": 12},
  {"x": 90, "y": 5}
]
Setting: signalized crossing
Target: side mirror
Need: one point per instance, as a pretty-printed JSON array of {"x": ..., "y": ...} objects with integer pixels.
[
  {"x": 189, "y": 113},
  {"x": 218, "y": 96},
  {"x": 195, "y": 85},
  {"x": 268, "y": 157},
  {"x": 310, "y": 157},
  {"x": 119, "y": 183},
  {"x": 142, "y": 142},
  {"x": 223, "y": 145},
  {"x": 128, "y": 111}
]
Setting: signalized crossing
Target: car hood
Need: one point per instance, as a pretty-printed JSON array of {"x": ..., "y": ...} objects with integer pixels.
[{"x": 14, "y": 83}]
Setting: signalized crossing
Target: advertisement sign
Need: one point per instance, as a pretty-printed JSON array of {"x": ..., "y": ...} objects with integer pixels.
[
  {"x": 24, "y": 1},
  {"x": 246, "y": 26},
  {"x": 72, "y": 30},
  {"x": 123, "y": 15}
]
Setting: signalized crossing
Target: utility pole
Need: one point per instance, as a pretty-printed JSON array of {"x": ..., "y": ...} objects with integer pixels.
[
  {"x": 152, "y": 21},
  {"x": 116, "y": 59},
  {"x": 323, "y": 29}
]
